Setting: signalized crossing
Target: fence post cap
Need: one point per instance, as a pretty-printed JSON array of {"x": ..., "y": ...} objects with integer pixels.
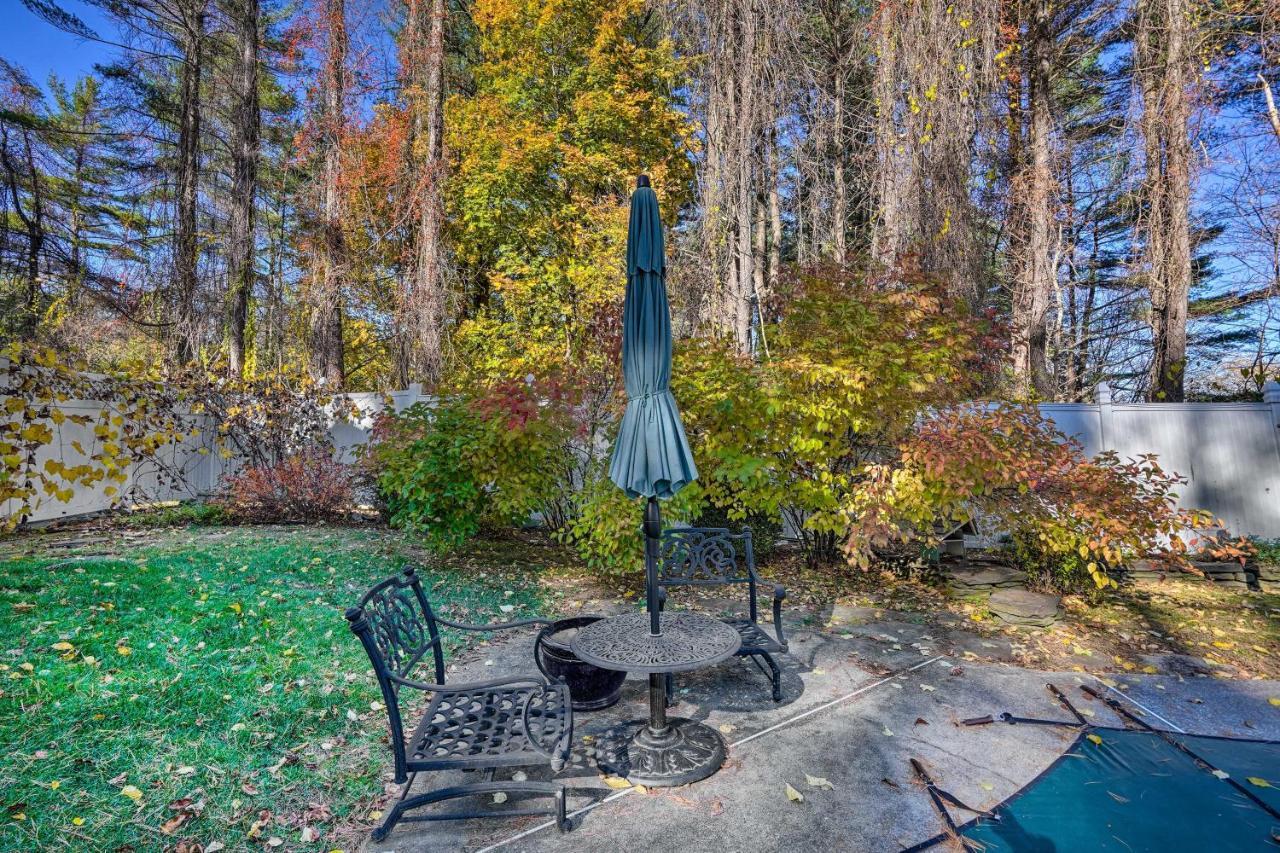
[
  {"x": 1103, "y": 393},
  {"x": 1271, "y": 391}
]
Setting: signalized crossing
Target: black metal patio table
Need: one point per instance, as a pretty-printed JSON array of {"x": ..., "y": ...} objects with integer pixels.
[{"x": 665, "y": 752}]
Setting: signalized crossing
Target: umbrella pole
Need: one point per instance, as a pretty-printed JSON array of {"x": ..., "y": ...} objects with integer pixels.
[{"x": 652, "y": 544}]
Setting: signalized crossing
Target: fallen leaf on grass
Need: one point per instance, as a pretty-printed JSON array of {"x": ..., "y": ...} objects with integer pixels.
[
  {"x": 819, "y": 782},
  {"x": 793, "y": 795},
  {"x": 132, "y": 792}
]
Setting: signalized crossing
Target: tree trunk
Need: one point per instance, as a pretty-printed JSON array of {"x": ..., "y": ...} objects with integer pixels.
[
  {"x": 840, "y": 202},
  {"x": 187, "y": 185},
  {"x": 1164, "y": 58},
  {"x": 1034, "y": 285},
  {"x": 426, "y": 305},
  {"x": 241, "y": 236},
  {"x": 775, "y": 221},
  {"x": 326, "y": 328}
]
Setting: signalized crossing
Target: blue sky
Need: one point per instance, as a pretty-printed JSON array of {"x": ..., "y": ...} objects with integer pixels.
[{"x": 41, "y": 49}]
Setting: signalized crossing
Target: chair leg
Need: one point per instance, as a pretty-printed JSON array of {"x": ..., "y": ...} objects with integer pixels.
[
  {"x": 776, "y": 676},
  {"x": 562, "y": 822}
]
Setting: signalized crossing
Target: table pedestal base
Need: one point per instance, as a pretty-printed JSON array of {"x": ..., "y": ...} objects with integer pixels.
[{"x": 686, "y": 751}]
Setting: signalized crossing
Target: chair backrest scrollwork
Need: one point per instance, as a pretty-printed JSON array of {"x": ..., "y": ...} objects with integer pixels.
[{"x": 705, "y": 556}]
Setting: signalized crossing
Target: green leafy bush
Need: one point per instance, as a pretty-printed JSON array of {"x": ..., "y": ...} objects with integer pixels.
[
  {"x": 852, "y": 362},
  {"x": 606, "y": 531},
  {"x": 1266, "y": 551},
  {"x": 489, "y": 456}
]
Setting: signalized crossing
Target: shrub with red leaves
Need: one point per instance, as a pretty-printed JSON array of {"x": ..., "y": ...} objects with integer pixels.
[{"x": 308, "y": 486}]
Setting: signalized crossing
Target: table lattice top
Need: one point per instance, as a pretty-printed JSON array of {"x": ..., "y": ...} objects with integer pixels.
[{"x": 688, "y": 641}]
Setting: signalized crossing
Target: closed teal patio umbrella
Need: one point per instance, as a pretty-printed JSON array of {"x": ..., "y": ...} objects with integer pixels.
[{"x": 651, "y": 457}]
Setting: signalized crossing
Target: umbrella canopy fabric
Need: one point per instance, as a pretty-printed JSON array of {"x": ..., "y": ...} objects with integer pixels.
[{"x": 651, "y": 457}]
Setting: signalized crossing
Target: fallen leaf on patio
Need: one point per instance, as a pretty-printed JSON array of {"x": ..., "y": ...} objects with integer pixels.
[
  {"x": 519, "y": 776},
  {"x": 892, "y": 784},
  {"x": 793, "y": 795},
  {"x": 616, "y": 782},
  {"x": 1222, "y": 774},
  {"x": 928, "y": 688},
  {"x": 641, "y": 790},
  {"x": 726, "y": 728},
  {"x": 1094, "y": 739},
  {"x": 499, "y": 797},
  {"x": 818, "y": 782},
  {"x": 819, "y": 671},
  {"x": 986, "y": 786},
  {"x": 921, "y": 721},
  {"x": 888, "y": 732},
  {"x": 1274, "y": 700},
  {"x": 1259, "y": 782},
  {"x": 1108, "y": 682},
  {"x": 131, "y": 792}
]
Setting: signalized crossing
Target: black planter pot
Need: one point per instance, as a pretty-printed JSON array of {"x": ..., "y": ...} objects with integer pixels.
[{"x": 590, "y": 687}]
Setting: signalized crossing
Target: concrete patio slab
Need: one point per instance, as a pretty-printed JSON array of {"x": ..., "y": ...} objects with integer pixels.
[{"x": 857, "y": 706}]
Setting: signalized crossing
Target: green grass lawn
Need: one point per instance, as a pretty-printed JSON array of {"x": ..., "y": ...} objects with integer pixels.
[{"x": 204, "y": 689}]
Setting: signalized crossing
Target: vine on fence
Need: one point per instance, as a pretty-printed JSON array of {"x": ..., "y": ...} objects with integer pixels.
[{"x": 133, "y": 426}]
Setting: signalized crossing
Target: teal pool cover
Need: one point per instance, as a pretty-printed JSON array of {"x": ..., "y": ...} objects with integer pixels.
[{"x": 1118, "y": 789}]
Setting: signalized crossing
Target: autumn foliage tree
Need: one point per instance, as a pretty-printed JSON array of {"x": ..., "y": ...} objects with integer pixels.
[{"x": 573, "y": 98}]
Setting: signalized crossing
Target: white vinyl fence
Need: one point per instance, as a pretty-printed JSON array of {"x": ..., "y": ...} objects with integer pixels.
[{"x": 1229, "y": 452}]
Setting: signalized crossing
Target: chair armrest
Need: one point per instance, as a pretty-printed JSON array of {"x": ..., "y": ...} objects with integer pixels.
[
  {"x": 558, "y": 753},
  {"x": 497, "y": 626}
]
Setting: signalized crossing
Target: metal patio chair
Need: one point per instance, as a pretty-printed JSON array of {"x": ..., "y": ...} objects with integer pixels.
[
  {"x": 477, "y": 726},
  {"x": 716, "y": 556}
]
